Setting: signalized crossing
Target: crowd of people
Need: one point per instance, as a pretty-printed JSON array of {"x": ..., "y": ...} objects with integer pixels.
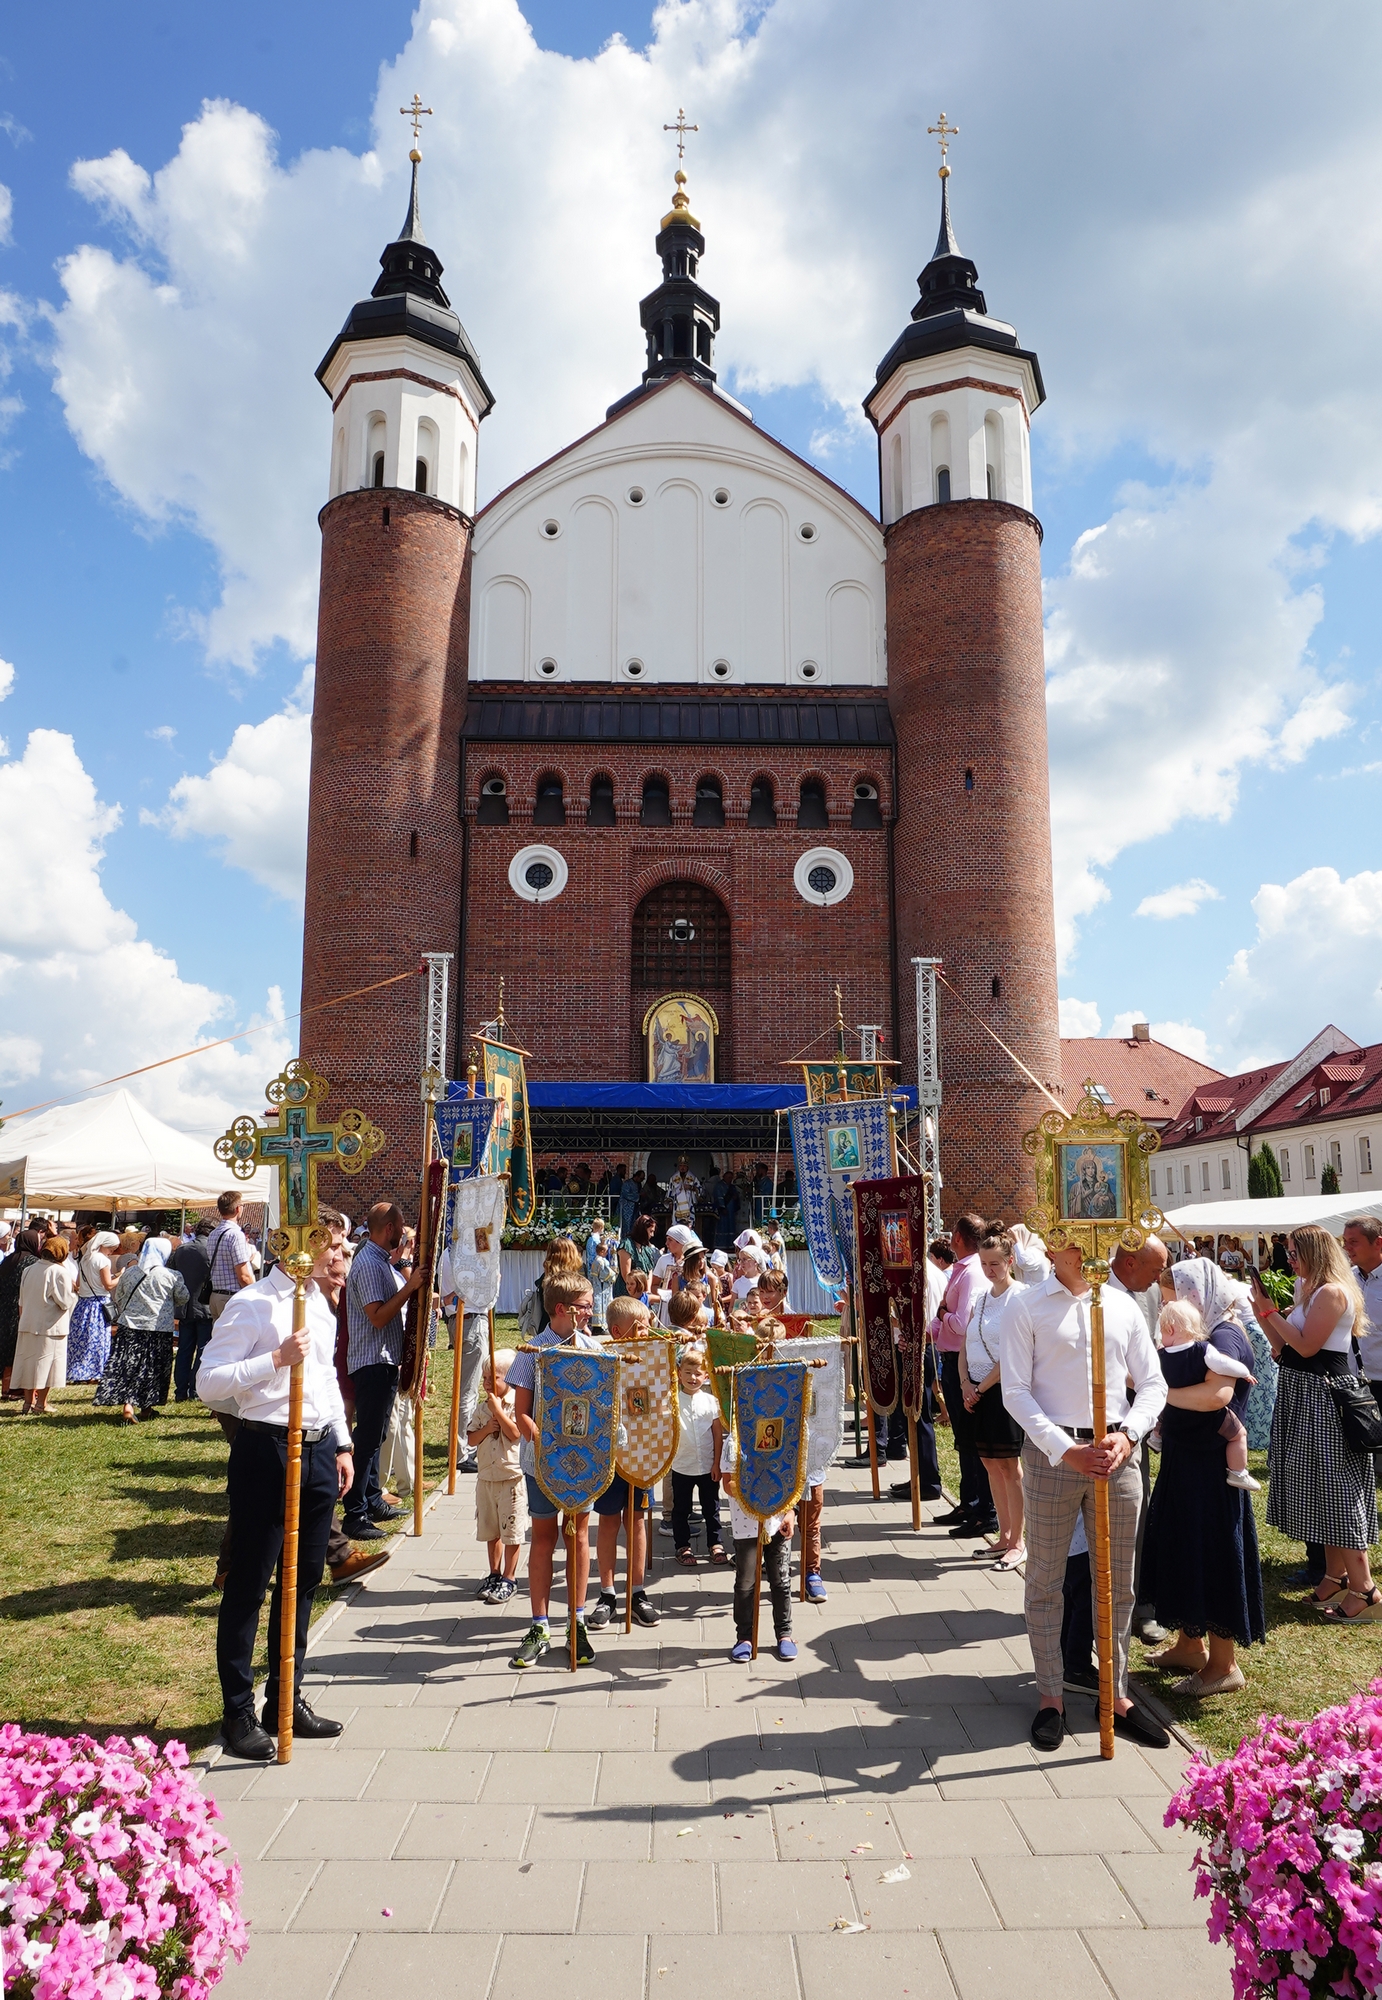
[
  {"x": 730, "y": 1200},
  {"x": 1201, "y": 1367}
]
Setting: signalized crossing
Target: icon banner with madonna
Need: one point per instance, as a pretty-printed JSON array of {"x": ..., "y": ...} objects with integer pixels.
[{"x": 1092, "y": 1180}]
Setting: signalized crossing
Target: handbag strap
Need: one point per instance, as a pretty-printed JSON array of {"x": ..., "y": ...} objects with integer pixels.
[{"x": 144, "y": 1277}]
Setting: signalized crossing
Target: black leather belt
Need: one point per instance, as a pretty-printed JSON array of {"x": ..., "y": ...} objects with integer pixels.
[
  {"x": 309, "y": 1436},
  {"x": 1080, "y": 1435}
]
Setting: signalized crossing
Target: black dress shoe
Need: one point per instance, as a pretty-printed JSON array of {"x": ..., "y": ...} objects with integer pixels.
[
  {"x": 243, "y": 1737},
  {"x": 1151, "y": 1631},
  {"x": 1139, "y": 1727},
  {"x": 953, "y": 1517},
  {"x": 389, "y": 1513},
  {"x": 306, "y": 1722},
  {"x": 901, "y": 1490},
  {"x": 1048, "y": 1728},
  {"x": 363, "y": 1531},
  {"x": 932, "y": 1493},
  {"x": 974, "y": 1527}
]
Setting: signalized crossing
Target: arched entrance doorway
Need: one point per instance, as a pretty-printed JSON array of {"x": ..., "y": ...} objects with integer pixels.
[{"x": 681, "y": 946}]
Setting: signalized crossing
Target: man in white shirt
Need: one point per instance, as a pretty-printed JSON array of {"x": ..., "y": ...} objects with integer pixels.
[
  {"x": 1046, "y": 1387},
  {"x": 248, "y": 1362},
  {"x": 1137, "y": 1272},
  {"x": 1363, "y": 1248}
]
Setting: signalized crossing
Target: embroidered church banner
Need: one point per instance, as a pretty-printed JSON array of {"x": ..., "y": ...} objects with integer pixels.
[
  {"x": 510, "y": 1150},
  {"x": 770, "y": 1403},
  {"x": 576, "y": 1410},
  {"x": 727, "y": 1350},
  {"x": 891, "y": 1220},
  {"x": 463, "y": 1127},
  {"x": 825, "y": 1402},
  {"x": 477, "y": 1230},
  {"x": 834, "y": 1145},
  {"x": 648, "y": 1409}
]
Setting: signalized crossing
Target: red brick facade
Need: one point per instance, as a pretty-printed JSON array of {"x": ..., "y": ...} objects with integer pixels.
[
  {"x": 966, "y": 685},
  {"x": 567, "y": 965},
  {"x": 384, "y": 836}
]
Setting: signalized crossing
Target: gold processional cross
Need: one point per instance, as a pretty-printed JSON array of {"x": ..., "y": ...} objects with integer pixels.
[
  {"x": 295, "y": 1143},
  {"x": 681, "y": 128},
  {"x": 944, "y": 133}
]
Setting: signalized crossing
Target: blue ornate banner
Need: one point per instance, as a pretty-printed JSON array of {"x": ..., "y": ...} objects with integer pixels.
[
  {"x": 770, "y": 1416},
  {"x": 833, "y": 1146},
  {"x": 577, "y": 1417},
  {"x": 463, "y": 1128},
  {"x": 509, "y": 1147}
]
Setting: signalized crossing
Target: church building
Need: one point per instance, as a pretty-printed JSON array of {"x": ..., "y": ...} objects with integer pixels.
[{"x": 672, "y": 732}]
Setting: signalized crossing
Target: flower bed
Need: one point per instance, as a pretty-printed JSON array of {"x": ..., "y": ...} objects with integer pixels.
[
  {"x": 1293, "y": 1864},
  {"x": 114, "y": 1884}
]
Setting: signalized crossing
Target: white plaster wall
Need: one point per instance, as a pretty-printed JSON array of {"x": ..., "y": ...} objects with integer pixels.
[
  {"x": 677, "y": 581},
  {"x": 402, "y": 402},
  {"x": 938, "y": 387}
]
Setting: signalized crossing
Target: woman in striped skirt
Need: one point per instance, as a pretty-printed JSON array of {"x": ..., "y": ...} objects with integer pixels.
[{"x": 1321, "y": 1489}]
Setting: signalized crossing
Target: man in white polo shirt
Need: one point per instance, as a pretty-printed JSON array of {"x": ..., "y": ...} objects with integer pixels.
[
  {"x": 1363, "y": 1249},
  {"x": 1046, "y": 1387}
]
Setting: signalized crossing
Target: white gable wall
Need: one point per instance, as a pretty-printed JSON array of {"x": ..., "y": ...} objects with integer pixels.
[{"x": 620, "y": 552}]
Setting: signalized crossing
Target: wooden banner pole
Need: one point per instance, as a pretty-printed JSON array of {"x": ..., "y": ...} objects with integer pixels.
[
  {"x": 915, "y": 1471},
  {"x": 453, "y": 1443},
  {"x": 1103, "y": 1577},
  {"x": 757, "y": 1591},
  {"x": 569, "y": 1531},
  {"x": 873, "y": 1448},
  {"x": 292, "y": 1516},
  {"x": 628, "y": 1564},
  {"x": 419, "y": 1393}
]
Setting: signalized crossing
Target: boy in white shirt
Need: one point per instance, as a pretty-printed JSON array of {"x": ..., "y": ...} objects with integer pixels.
[
  {"x": 696, "y": 1467},
  {"x": 501, "y": 1502}
]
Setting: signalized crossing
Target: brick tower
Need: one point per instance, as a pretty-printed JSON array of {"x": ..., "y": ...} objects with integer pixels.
[
  {"x": 966, "y": 686},
  {"x": 384, "y": 840}
]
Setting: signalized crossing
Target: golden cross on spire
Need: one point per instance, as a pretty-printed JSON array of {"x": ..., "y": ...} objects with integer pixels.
[
  {"x": 945, "y": 133},
  {"x": 417, "y": 111},
  {"x": 681, "y": 128}
]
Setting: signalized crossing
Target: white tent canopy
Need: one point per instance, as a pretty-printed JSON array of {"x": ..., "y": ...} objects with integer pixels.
[
  {"x": 1277, "y": 1216},
  {"x": 110, "y": 1152}
]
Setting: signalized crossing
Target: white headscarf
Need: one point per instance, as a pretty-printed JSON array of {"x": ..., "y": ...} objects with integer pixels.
[
  {"x": 1211, "y": 1291},
  {"x": 748, "y": 1239},
  {"x": 156, "y": 1251},
  {"x": 682, "y": 1237}
]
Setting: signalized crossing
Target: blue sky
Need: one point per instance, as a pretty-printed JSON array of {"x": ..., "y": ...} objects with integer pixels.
[{"x": 1212, "y": 429}]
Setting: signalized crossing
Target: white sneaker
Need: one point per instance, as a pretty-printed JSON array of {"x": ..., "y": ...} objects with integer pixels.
[{"x": 1245, "y": 1482}]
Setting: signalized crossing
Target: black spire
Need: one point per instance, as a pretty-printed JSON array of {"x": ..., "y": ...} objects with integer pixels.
[
  {"x": 679, "y": 318},
  {"x": 950, "y": 279},
  {"x": 408, "y": 299}
]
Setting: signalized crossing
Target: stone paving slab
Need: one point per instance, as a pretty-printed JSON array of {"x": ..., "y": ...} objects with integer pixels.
[{"x": 668, "y": 1826}]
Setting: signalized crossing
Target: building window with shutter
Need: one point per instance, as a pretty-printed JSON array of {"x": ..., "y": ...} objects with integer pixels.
[
  {"x": 1151, "y": 1183},
  {"x": 1204, "y": 1176},
  {"x": 1309, "y": 1162},
  {"x": 1284, "y": 1158},
  {"x": 1225, "y": 1174},
  {"x": 1336, "y": 1156},
  {"x": 1365, "y": 1155}
]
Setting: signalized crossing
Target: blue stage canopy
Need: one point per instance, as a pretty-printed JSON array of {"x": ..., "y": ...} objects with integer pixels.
[{"x": 573, "y": 1095}]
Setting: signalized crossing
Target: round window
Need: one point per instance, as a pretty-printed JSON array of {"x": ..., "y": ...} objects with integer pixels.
[
  {"x": 551, "y": 529},
  {"x": 721, "y": 670},
  {"x": 809, "y": 670},
  {"x": 547, "y": 668},
  {"x": 634, "y": 669},
  {"x": 806, "y": 532},
  {"x": 721, "y": 496},
  {"x": 821, "y": 879},
  {"x": 823, "y": 876},
  {"x": 682, "y": 931},
  {"x": 636, "y": 496},
  {"x": 537, "y": 875}
]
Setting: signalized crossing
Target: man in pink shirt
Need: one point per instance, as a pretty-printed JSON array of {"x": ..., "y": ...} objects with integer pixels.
[{"x": 975, "y": 1514}]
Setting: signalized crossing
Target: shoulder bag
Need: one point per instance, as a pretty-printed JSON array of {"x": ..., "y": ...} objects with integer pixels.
[{"x": 1359, "y": 1417}]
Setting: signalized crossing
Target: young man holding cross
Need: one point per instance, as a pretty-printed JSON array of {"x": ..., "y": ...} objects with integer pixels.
[{"x": 248, "y": 1362}]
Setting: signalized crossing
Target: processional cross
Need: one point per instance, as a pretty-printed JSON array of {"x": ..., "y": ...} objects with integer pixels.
[{"x": 296, "y": 1144}]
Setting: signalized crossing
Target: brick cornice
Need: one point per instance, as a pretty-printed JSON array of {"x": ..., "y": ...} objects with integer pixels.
[
  {"x": 395, "y": 497},
  {"x": 397, "y": 375},
  {"x": 951, "y": 510},
  {"x": 959, "y": 382}
]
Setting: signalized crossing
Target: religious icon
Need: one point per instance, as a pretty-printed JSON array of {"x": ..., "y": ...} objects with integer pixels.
[
  {"x": 842, "y": 1148},
  {"x": 575, "y": 1417},
  {"x": 637, "y": 1403},
  {"x": 1091, "y": 1182},
  {"x": 461, "y": 1154},
  {"x": 482, "y": 1236},
  {"x": 680, "y": 1031},
  {"x": 895, "y": 1239},
  {"x": 768, "y": 1435}
]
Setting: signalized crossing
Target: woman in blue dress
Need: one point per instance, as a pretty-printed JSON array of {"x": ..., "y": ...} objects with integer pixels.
[{"x": 88, "y": 1342}]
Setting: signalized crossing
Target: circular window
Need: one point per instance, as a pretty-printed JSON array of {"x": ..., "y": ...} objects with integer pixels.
[
  {"x": 636, "y": 496},
  {"x": 722, "y": 670},
  {"x": 634, "y": 669},
  {"x": 822, "y": 875},
  {"x": 721, "y": 496},
  {"x": 537, "y": 874},
  {"x": 551, "y": 529},
  {"x": 682, "y": 931},
  {"x": 806, "y": 532},
  {"x": 547, "y": 668},
  {"x": 808, "y": 670}
]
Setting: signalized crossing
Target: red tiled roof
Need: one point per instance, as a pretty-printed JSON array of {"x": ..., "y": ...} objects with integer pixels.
[
  {"x": 1217, "y": 1106},
  {"x": 1353, "y": 1087},
  {"x": 1345, "y": 1072},
  {"x": 1146, "y": 1077}
]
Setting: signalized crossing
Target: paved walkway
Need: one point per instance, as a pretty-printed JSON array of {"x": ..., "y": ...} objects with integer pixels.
[{"x": 666, "y": 1826}]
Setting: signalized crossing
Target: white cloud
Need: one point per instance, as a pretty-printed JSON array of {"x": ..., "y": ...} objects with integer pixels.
[
  {"x": 83, "y": 996},
  {"x": 1079, "y": 1018},
  {"x": 253, "y": 801},
  {"x": 6, "y": 678},
  {"x": 164, "y": 733},
  {"x": 1317, "y": 935},
  {"x": 6, "y": 214},
  {"x": 1181, "y": 901},
  {"x": 1181, "y": 625}
]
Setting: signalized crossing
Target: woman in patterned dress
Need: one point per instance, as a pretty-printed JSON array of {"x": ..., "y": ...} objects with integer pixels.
[
  {"x": 88, "y": 1342},
  {"x": 147, "y": 1300}
]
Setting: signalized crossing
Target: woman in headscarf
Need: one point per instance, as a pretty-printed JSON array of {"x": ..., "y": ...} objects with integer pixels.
[
  {"x": 88, "y": 1342},
  {"x": 146, "y": 1300},
  {"x": 1200, "y": 1565},
  {"x": 47, "y": 1294},
  {"x": 27, "y": 1247}
]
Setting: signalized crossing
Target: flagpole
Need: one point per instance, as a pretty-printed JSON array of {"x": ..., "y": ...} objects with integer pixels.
[
  {"x": 300, "y": 1266},
  {"x": 628, "y": 1563},
  {"x": 757, "y": 1591},
  {"x": 569, "y": 1531},
  {"x": 453, "y": 1441}
]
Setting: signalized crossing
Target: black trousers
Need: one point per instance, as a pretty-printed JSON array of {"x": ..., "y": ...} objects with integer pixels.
[
  {"x": 193, "y": 1335},
  {"x": 1077, "y": 1617},
  {"x": 975, "y": 1495},
  {"x": 375, "y": 1390},
  {"x": 928, "y": 1465},
  {"x": 684, "y": 1484},
  {"x": 256, "y": 1483}
]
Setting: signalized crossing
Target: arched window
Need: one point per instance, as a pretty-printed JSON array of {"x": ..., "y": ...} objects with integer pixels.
[
  {"x": 762, "y": 804},
  {"x": 493, "y": 809},
  {"x": 993, "y": 455},
  {"x": 657, "y": 803},
  {"x": 379, "y": 468},
  {"x": 710, "y": 804},
  {"x": 376, "y": 443},
  {"x": 866, "y": 811},
  {"x": 550, "y": 809},
  {"x": 897, "y": 476},
  {"x": 600, "y": 811},
  {"x": 942, "y": 483},
  {"x": 811, "y": 810},
  {"x": 420, "y": 476}
]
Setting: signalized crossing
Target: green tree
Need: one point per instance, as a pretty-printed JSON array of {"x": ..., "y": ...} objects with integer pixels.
[
  {"x": 1329, "y": 1180},
  {"x": 1264, "y": 1175}
]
